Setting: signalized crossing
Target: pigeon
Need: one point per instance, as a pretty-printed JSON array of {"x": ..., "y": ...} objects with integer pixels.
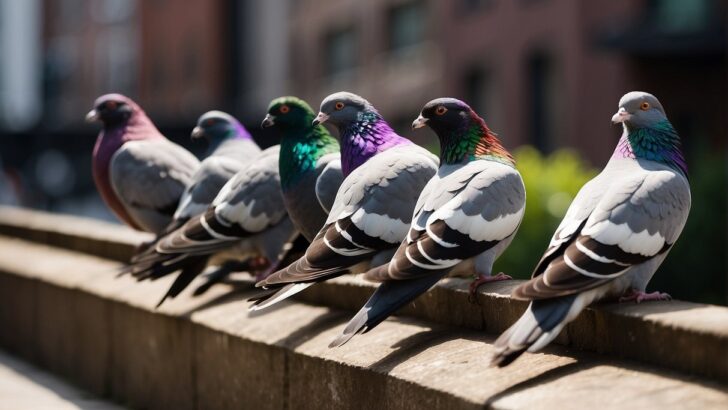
[
  {"x": 384, "y": 175},
  {"x": 246, "y": 219},
  {"x": 139, "y": 173},
  {"x": 230, "y": 149},
  {"x": 309, "y": 164},
  {"x": 615, "y": 234},
  {"x": 466, "y": 216}
]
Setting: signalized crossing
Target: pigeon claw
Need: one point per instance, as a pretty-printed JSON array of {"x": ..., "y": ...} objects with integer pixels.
[
  {"x": 639, "y": 296},
  {"x": 483, "y": 279}
]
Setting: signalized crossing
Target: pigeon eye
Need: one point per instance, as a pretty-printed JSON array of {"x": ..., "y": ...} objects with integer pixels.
[
  {"x": 440, "y": 110},
  {"x": 284, "y": 109},
  {"x": 339, "y": 106},
  {"x": 645, "y": 106},
  {"x": 111, "y": 105},
  {"x": 209, "y": 122}
]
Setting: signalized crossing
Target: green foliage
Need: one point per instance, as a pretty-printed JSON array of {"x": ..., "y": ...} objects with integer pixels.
[{"x": 551, "y": 183}]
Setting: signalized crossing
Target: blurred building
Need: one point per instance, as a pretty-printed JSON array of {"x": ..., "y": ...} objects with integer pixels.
[
  {"x": 20, "y": 45},
  {"x": 542, "y": 72}
]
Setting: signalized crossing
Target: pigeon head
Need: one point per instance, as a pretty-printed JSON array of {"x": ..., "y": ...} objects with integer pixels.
[
  {"x": 217, "y": 125},
  {"x": 342, "y": 109},
  {"x": 289, "y": 112},
  {"x": 112, "y": 109},
  {"x": 639, "y": 109},
  {"x": 463, "y": 135},
  {"x": 444, "y": 115}
]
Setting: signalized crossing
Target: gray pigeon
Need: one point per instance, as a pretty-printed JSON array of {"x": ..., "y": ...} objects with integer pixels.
[
  {"x": 464, "y": 219},
  {"x": 139, "y": 173},
  {"x": 384, "y": 175},
  {"x": 231, "y": 148},
  {"x": 246, "y": 219},
  {"x": 615, "y": 234}
]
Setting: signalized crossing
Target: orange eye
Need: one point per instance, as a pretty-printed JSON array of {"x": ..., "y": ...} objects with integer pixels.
[
  {"x": 209, "y": 122},
  {"x": 440, "y": 110},
  {"x": 645, "y": 106},
  {"x": 284, "y": 109},
  {"x": 111, "y": 105},
  {"x": 339, "y": 106}
]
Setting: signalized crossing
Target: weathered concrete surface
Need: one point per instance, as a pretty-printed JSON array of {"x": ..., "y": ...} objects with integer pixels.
[
  {"x": 74, "y": 317},
  {"x": 95, "y": 237},
  {"x": 650, "y": 332},
  {"x": 23, "y": 386}
]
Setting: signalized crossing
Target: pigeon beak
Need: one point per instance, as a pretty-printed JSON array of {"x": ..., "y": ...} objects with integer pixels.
[
  {"x": 419, "y": 122},
  {"x": 197, "y": 132},
  {"x": 320, "y": 119},
  {"x": 621, "y": 116},
  {"x": 268, "y": 121},
  {"x": 92, "y": 115}
]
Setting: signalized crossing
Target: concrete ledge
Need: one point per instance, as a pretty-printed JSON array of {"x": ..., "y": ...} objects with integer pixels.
[
  {"x": 67, "y": 312},
  {"x": 91, "y": 236},
  {"x": 651, "y": 332}
]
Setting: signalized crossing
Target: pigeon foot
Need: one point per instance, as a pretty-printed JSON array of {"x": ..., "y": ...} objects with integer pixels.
[
  {"x": 483, "y": 279},
  {"x": 639, "y": 296}
]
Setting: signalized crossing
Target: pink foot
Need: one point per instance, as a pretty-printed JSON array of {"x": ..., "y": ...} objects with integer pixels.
[
  {"x": 483, "y": 279},
  {"x": 640, "y": 296}
]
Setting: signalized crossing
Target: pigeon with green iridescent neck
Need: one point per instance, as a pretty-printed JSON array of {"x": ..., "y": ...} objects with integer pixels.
[
  {"x": 385, "y": 174},
  {"x": 310, "y": 168},
  {"x": 230, "y": 149},
  {"x": 309, "y": 164},
  {"x": 466, "y": 216},
  {"x": 615, "y": 234},
  {"x": 139, "y": 173}
]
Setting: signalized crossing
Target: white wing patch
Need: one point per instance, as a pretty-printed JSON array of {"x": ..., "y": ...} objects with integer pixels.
[
  {"x": 642, "y": 243},
  {"x": 380, "y": 226},
  {"x": 242, "y": 214}
]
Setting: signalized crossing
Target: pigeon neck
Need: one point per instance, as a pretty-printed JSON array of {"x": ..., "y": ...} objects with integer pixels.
[
  {"x": 364, "y": 138},
  {"x": 659, "y": 143},
  {"x": 474, "y": 140},
  {"x": 301, "y": 148},
  {"x": 233, "y": 132}
]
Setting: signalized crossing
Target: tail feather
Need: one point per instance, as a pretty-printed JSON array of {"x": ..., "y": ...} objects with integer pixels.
[
  {"x": 280, "y": 295},
  {"x": 537, "y": 327},
  {"x": 191, "y": 270},
  {"x": 387, "y": 299}
]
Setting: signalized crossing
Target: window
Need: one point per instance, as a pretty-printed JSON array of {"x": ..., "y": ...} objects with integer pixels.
[
  {"x": 406, "y": 25},
  {"x": 473, "y": 6},
  {"x": 340, "y": 51},
  {"x": 480, "y": 93},
  {"x": 681, "y": 15},
  {"x": 541, "y": 110}
]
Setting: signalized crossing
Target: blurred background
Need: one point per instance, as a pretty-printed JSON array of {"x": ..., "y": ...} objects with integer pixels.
[{"x": 545, "y": 74}]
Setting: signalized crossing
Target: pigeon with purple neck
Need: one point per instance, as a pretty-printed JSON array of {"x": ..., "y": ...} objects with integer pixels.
[
  {"x": 384, "y": 175},
  {"x": 139, "y": 173},
  {"x": 615, "y": 234}
]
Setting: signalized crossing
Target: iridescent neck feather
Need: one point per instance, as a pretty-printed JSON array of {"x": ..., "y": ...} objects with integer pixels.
[
  {"x": 472, "y": 140},
  {"x": 659, "y": 143},
  {"x": 364, "y": 138}
]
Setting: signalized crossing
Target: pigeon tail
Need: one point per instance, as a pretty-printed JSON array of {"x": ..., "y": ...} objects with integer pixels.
[
  {"x": 539, "y": 325},
  {"x": 188, "y": 274},
  {"x": 387, "y": 299}
]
